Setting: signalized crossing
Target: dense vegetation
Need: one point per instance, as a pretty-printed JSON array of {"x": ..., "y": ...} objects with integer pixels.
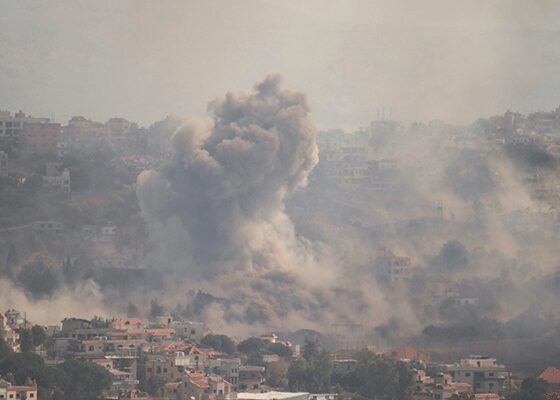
[{"x": 69, "y": 380}]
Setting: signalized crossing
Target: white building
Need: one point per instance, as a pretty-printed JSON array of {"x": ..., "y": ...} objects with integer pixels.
[
  {"x": 47, "y": 226},
  {"x": 273, "y": 396},
  {"x": 58, "y": 182}
]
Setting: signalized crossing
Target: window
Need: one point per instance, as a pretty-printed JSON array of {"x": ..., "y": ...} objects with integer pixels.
[
  {"x": 468, "y": 374},
  {"x": 491, "y": 374}
]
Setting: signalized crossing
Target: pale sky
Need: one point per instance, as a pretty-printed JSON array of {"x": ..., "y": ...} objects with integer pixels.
[{"x": 143, "y": 60}]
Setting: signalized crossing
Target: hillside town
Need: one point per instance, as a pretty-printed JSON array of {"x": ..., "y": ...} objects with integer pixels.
[{"x": 166, "y": 359}]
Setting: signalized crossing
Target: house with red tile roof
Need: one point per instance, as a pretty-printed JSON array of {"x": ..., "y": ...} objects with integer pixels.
[
  {"x": 199, "y": 386},
  {"x": 9, "y": 391},
  {"x": 552, "y": 376}
]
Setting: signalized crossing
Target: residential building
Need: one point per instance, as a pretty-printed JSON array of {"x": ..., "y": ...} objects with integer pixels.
[
  {"x": 41, "y": 138},
  {"x": 551, "y": 375},
  {"x": 10, "y": 392},
  {"x": 100, "y": 233},
  {"x": 227, "y": 368},
  {"x": 9, "y": 334},
  {"x": 190, "y": 330},
  {"x": 251, "y": 377},
  {"x": 12, "y": 126},
  {"x": 482, "y": 373},
  {"x": 392, "y": 268},
  {"x": 442, "y": 387},
  {"x": 162, "y": 367},
  {"x": 270, "y": 337},
  {"x": 58, "y": 182},
  {"x": 109, "y": 347},
  {"x": 47, "y": 226},
  {"x": 14, "y": 318},
  {"x": 199, "y": 386},
  {"x": 83, "y": 134},
  {"x": 118, "y": 126}
]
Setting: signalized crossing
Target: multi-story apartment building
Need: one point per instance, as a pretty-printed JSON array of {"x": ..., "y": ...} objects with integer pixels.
[
  {"x": 483, "y": 373},
  {"x": 12, "y": 126}
]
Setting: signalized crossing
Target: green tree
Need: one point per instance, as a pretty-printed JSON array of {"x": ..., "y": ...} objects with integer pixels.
[
  {"x": 24, "y": 366},
  {"x": 313, "y": 372},
  {"x": 38, "y": 335},
  {"x": 378, "y": 377},
  {"x": 320, "y": 375},
  {"x": 132, "y": 310},
  {"x": 311, "y": 348},
  {"x": 277, "y": 373},
  {"x": 298, "y": 375},
  {"x": 220, "y": 343},
  {"x": 156, "y": 309},
  {"x": 531, "y": 389},
  {"x": 4, "y": 348},
  {"x": 252, "y": 346},
  {"x": 280, "y": 350},
  {"x": 25, "y": 340},
  {"x": 86, "y": 381}
]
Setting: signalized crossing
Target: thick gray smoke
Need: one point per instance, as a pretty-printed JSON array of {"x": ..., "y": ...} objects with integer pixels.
[
  {"x": 229, "y": 175},
  {"x": 216, "y": 210}
]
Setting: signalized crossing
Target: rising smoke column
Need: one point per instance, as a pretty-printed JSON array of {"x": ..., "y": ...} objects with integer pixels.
[{"x": 218, "y": 205}]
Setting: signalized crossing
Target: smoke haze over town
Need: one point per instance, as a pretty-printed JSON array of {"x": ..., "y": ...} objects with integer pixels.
[{"x": 356, "y": 178}]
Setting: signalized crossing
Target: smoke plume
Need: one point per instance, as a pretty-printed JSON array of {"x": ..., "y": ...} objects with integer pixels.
[{"x": 216, "y": 210}]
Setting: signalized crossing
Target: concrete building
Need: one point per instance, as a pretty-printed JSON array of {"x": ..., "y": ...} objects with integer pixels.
[
  {"x": 190, "y": 330},
  {"x": 12, "y": 126},
  {"x": 482, "y": 373},
  {"x": 83, "y": 134},
  {"x": 11, "y": 392},
  {"x": 392, "y": 268},
  {"x": 58, "y": 182},
  {"x": 41, "y": 138},
  {"x": 14, "y": 318},
  {"x": 199, "y": 386},
  {"x": 47, "y": 226},
  {"x": 227, "y": 368},
  {"x": 251, "y": 377}
]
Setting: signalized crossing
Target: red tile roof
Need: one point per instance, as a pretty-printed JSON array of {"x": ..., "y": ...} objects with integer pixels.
[
  {"x": 551, "y": 375},
  {"x": 21, "y": 388}
]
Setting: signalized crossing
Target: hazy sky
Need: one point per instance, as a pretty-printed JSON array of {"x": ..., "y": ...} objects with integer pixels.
[{"x": 452, "y": 60}]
